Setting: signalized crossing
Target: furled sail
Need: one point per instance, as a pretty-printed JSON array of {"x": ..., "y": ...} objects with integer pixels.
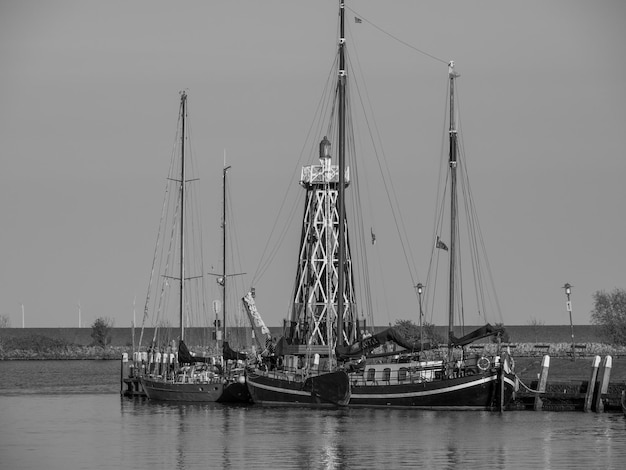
[
  {"x": 475, "y": 335},
  {"x": 185, "y": 356},
  {"x": 232, "y": 355},
  {"x": 369, "y": 343}
]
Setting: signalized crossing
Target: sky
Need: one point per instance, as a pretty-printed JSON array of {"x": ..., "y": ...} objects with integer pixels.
[{"x": 89, "y": 94}]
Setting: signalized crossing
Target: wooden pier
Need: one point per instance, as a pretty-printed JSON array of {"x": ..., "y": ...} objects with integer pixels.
[
  {"x": 596, "y": 394},
  {"x": 130, "y": 385}
]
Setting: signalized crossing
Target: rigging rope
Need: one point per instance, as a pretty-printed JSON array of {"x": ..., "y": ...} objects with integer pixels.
[
  {"x": 164, "y": 212},
  {"x": 385, "y": 172},
  {"x": 442, "y": 187},
  {"x": 195, "y": 306},
  {"x": 526, "y": 387},
  {"x": 326, "y": 107},
  {"x": 266, "y": 261},
  {"x": 361, "y": 17}
]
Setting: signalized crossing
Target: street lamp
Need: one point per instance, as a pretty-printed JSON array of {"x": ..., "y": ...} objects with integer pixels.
[
  {"x": 568, "y": 291},
  {"x": 420, "y": 288}
]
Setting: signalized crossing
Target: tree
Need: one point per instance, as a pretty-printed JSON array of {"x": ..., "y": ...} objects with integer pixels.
[
  {"x": 609, "y": 313},
  {"x": 101, "y": 331},
  {"x": 411, "y": 331},
  {"x": 408, "y": 329}
]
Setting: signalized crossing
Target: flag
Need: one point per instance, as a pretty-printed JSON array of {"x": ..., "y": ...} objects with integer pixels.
[
  {"x": 357, "y": 20},
  {"x": 441, "y": 245},
  {"x": 373, "y": 236}
]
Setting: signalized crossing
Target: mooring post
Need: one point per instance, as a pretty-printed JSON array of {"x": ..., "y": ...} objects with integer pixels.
[
  {"x": 502, "y": 388},
  {"x": 603, "y": 384},
  {"x": 591, "y": 386},
  {"x": 543, "y": 381},
  {"x": 123, "y": 372}
]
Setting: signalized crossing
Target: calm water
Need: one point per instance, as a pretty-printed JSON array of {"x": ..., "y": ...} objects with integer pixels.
[{"x": 69, "y": 415}]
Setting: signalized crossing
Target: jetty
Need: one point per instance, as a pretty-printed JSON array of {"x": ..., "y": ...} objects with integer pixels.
[
  {"x": 130, "y": 385},
  {"x": 566, "y": 383}
]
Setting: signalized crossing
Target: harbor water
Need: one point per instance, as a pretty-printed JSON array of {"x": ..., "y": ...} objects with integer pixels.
[{"x": 70, "y": 415}]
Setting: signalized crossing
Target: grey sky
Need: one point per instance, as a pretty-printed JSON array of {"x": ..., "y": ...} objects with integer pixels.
[{"x": 88, "y": 103}]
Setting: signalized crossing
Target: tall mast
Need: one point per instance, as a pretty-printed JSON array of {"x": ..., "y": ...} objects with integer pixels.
[
  {"x": 453, "y": 202},
  {"x": 342, "y": 173},
  {"x": 224, "y": 253},
  {"x": 183, "y": 112}
]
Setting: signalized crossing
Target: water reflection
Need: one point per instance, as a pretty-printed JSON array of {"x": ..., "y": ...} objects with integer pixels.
[
  {"x": 99, "y": 431},
  {"x": 240, "y": 436}
]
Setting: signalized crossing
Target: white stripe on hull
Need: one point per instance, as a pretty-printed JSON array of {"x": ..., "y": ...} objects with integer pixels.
[
  {"x": 423, "y": 393},
  {"x": 279, "y": 389}
]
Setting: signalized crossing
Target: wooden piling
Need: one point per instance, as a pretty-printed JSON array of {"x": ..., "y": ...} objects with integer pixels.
[
  {"x": 501, "y": 384},
  {"x": 602, "y": 386},
  {"x": 123, "y": 371},
  {"x": 543, "y": 380},
  {"x": 592, "y": 384}
]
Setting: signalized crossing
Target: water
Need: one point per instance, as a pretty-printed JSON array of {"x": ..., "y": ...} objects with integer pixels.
[{"x": 69, "y": 415}]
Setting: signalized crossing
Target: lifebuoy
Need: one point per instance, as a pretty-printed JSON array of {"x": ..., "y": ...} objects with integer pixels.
[
  {"x": 483, "y": 363},
  {"x": 508, "y": 363}
]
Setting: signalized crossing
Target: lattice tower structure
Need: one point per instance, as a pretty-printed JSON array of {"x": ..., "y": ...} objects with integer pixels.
[{"x": 314, "y": 314}]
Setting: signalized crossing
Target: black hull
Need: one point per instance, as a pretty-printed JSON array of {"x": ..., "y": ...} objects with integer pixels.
[
  {"x": 195, "y": 392},
  {"x": 325, "y": 390},
  {"x": 474, "y": 392},
  {"x": 182, "y": 392},
  {"x": 235, "y": 392}
]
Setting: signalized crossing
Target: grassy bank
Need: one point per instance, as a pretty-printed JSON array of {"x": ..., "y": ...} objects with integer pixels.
[{"x": 38, "y": 347}]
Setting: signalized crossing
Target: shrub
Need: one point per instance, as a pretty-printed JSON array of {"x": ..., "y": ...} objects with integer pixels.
[
  {"x": 411, "y": 331},
  {"x": 101, "y": 331}
]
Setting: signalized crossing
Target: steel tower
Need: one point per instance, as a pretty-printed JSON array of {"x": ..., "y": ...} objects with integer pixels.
[{"x": 314, "y": 314}]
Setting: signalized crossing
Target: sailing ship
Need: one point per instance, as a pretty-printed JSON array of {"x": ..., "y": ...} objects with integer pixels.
[
  {"x": 457, "y": 381},
  {"x": 179, "y": 375},
  {"x": 325, "y": 340}
]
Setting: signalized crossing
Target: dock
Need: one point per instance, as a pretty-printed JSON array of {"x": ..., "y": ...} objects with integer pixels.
[
  {"x": 596, "y": 394},
  {"x": 130, "y": 385}
]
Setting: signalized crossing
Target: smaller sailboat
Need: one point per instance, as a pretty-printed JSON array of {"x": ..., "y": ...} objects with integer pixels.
[{"x": 179, "y": 375}]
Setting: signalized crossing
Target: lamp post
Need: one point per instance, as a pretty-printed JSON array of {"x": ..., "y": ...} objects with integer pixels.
[
  {"x": 568, "y": 291},
  {"x": 420, "y": 288}
]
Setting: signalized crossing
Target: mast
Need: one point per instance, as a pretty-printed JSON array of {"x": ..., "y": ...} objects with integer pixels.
[
  {"x": 342, "y": 174},
  {"x": 453, "y": 204},
  {"x": 225, "y": 171},
  {"x": 183, "y": 112},
  {"x": 324, "y": 285}
]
